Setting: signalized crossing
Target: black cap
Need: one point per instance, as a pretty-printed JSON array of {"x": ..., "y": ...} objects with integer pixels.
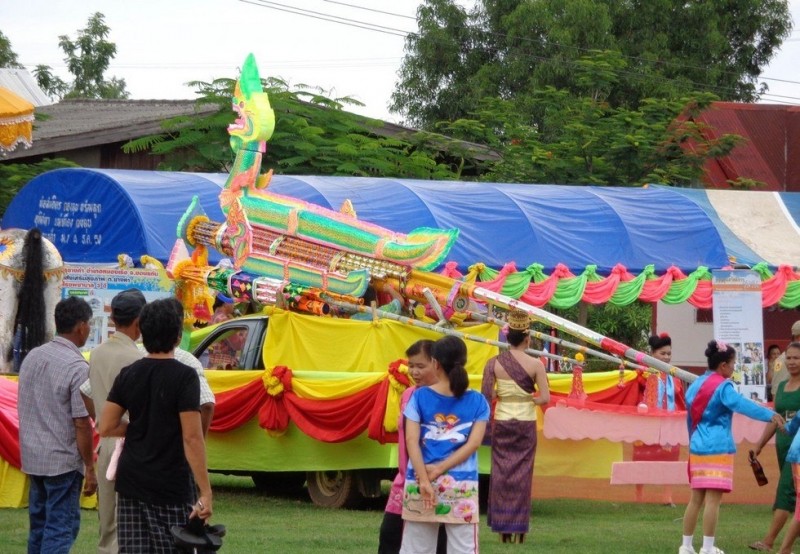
[{"x": 128, "y": 304}]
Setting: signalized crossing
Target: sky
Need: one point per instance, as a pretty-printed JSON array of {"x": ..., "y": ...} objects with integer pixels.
[{"x": 161, "y": 45}]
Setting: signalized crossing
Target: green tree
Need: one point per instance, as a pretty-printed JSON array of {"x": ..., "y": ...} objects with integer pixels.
[
  {"x": 313, "y": 135},
  {"x": 582, "y": 138},
  {"x": 510, "y": 49},
  {"x": 87, "y": 59},
  {"x": 8, "y": 58},
  {"x": 627, "y": 324},
  {"x": 52, "y": 85}
]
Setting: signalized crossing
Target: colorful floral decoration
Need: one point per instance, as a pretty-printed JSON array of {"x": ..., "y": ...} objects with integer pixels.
[
  {"x": 577, "y": 392},
  {"x": 7, "y": 248}
]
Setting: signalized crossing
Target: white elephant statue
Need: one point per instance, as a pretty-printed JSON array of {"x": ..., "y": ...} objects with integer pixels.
[{"x": 31, "y": 270}]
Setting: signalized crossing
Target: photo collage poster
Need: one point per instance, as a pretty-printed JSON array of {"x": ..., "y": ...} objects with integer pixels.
[{"x": 738, "y": 321}]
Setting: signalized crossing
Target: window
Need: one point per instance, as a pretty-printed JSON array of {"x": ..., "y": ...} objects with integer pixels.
[{"x": 225, "y": 352}]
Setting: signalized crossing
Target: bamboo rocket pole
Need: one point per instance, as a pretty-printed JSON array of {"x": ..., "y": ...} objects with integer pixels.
[
  {"x": 440, "y": 329},
  {"x": 561, "y": 342},
  {"x": 606, "y": 343}
]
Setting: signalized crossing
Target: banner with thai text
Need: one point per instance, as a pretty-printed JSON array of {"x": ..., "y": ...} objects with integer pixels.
[{"x": 98, "y": 285}]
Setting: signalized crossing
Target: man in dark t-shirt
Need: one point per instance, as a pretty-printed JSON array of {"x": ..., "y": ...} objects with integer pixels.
[{"x": 164, "y": 444}]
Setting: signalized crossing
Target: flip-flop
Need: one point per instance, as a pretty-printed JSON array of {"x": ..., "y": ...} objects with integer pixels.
[
  {"x": 197, "y": 535},
  {"x": 760, "y": 547}
]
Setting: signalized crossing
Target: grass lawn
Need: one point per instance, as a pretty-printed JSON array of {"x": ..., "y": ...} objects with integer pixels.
[{"x": 258, "y": 523}]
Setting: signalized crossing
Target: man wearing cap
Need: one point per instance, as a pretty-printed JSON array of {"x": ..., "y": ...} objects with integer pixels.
[
  {"x": 105, "y": 364},
  {"x": 779, "y": 373}
]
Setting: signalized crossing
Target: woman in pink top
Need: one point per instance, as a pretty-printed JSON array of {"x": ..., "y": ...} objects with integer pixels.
[{"x": 420, "y": 367}]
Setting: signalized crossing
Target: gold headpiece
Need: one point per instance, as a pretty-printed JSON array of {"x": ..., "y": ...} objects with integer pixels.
[{"x": 518, "y": 320}]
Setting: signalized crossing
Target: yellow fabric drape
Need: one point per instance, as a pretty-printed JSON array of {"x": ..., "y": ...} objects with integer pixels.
[
  {"x": 316, "y": 389},
  {"x": 225, "y": 380},
  {"x": 592, "y": 382},
  {"x": 14, "y": 489},
  {"x": 305, "y": 342},
  {"x": 16, "y": 120}
]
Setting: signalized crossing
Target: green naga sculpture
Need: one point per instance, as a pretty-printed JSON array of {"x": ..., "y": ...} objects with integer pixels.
[{"x": 279, "y": 237}]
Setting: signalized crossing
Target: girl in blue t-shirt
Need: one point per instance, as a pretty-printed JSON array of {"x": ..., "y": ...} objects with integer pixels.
[{"x": 445, "y": 424}]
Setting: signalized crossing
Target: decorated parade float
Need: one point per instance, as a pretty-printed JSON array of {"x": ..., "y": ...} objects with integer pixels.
[{"x": 312, "y": 393}]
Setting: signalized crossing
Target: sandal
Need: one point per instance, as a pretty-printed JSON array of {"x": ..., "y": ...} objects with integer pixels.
[
  {"x": 760, "y": 546},
  {"x": 196, "y": 536}
]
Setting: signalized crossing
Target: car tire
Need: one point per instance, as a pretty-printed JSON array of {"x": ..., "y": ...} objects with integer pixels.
[{"x": 334, "y": 489}]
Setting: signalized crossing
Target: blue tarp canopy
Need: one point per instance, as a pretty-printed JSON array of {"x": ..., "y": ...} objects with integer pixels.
[{"x": 93, "y": 215}]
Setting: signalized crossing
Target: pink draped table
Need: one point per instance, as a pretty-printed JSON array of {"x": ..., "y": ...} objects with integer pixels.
[{"x": 574, "y": 420}]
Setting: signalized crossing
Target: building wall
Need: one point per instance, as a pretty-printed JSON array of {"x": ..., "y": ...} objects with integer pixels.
[
  {"x": 689, "y": 338},
  {"x": 107, "y": 156},
  {"x": 691, "y": 329},
  {"x": 84, "y": 157}
]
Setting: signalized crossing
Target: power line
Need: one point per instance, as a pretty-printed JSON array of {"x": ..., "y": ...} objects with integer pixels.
[
  {"x": 371, "y": 9},
  {"x": 328, "y": 17}
]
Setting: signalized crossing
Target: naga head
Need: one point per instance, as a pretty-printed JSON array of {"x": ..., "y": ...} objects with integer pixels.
[{"x": 255, "y": 119}]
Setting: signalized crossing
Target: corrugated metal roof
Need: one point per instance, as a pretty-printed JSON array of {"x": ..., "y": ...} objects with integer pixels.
[
  {"x": 76, "y": 117},
  {"x": 23, "y": 84},
  {"x": 73, "y": 124},
  {"x": 771, "y": 151}
]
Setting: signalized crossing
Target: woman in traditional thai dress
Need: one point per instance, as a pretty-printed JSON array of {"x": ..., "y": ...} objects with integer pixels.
[
  {"x": 787, "y": 403},
  {"x": 710, "y": 403},
  {"x": 511, "y": 379},
  {"x": 445, "y": 424},
  {"x": 660, "y": 392}
]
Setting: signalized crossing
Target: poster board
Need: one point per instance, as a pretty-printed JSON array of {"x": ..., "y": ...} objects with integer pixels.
[
  {"x": 738, "y": 320},
  {"x": 99, "y": 284}
]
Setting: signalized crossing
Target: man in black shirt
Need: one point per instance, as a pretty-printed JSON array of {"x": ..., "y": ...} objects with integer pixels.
[{"x": 164, "y": 443}]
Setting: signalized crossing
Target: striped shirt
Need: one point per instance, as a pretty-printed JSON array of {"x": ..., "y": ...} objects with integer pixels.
[{"x": 49, "y": 400}]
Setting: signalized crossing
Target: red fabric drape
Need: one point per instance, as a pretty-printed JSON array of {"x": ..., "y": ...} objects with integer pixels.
[
  {"x": 9, "y": 441},
  {"x": 496, "y": 284},
  {"x": 654, "y": 290},
  {"x": 273, "y": 414},
  {"x": 702, "y": 295},
  {"x": 451, "y": 270},
  {"x": 598, "y": 292},
  {"x": 336, "y": 420},
  {"x": 538, "y": 294},
  {"x": 9, "y": 425},
  {"x": 236, "y": 407},
  {"x": 326, "y": 420},
  {"x": 375, "y": 429},
  {"x": 773, "y": 289}
]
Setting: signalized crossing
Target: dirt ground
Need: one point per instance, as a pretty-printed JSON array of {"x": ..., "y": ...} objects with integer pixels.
[{"x": 745, "y": 488}]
